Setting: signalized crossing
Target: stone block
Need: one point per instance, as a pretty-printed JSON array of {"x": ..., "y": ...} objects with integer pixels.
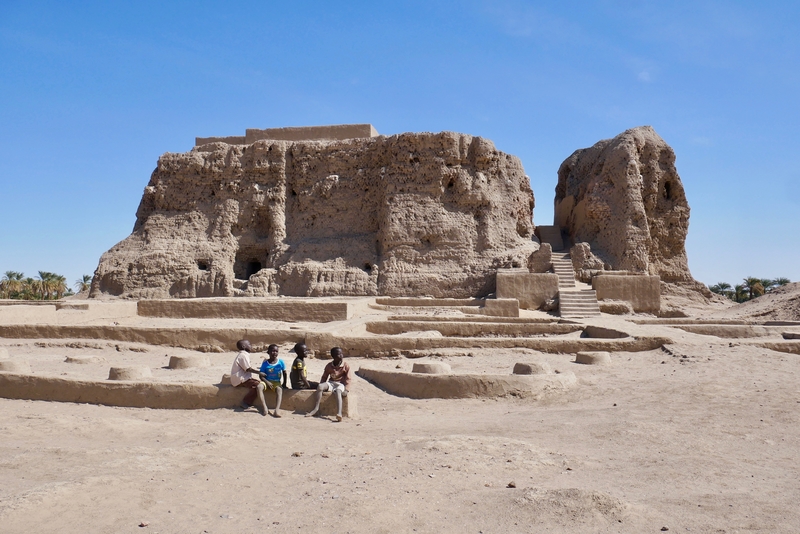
[
  {"x": 129, "y": 373},
  {"x": 531, "y": 368},
  {"x": 541, "y": 261},
  {"x": 431, "y": 368},
  {"x": 615, "y": 307},
  {"x": 14, "y": 366},
  {"x": 187, "y": 362},
  {"x": 642, "y": 291},
  {"x": 532, "y": 290},
  {"x": 593, "y": 358}
]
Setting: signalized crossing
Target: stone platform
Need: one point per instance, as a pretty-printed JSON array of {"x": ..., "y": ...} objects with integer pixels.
[
  {"x": 454, "y": 386},
  {"x": 164, "y": 395},
  {"x": 268, "y": 309}
]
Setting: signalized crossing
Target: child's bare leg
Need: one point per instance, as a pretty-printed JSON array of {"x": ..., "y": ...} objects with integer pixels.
[
  {"x": 260, "y": 389},
  {"x": 318, "y": 395},
  {"x": 279, "y": 395},
  {"x": 338, "y": 404}
]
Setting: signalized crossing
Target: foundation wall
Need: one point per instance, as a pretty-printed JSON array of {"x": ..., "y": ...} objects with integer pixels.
[
  {"x": 299, "y": 133},
  {"x": 247, "y": 308},
  {"x": 224, "y": 339},
  {"x": 425, "y": 386},
  {"x": 204, "y": 339},
  {"x": 465, "y": 329},
  {"x": 642, "y": 291},
  {"x": 530, "y": 289},
  {"x": 505, "y": 307},
  {"x": 158, "y": 395},
  {"x": 370, "y": 346},
  {"x": 733, "y": 331}
]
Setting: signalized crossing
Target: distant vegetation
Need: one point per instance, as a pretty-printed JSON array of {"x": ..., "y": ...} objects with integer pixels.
[
  {"x": 45, "y": 286},
  {"x": 750, "y": 288}
]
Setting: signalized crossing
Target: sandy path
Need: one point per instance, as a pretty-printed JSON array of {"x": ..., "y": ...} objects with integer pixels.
[{"x": 705, "y": 443}]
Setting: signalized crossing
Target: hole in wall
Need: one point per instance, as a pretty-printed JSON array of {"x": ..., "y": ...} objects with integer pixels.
[
  {"x": 252, "y": 268},
  {"x": 668, "y": 190},
  {"x": 202, "y": 265},
  {"x": 249, "y": 260}
]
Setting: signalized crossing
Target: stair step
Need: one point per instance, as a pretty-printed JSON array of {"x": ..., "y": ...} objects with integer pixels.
[{"x": 578, "y": 304}]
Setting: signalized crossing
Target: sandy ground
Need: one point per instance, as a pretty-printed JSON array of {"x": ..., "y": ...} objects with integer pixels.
[{"x": 702, "y": 437}]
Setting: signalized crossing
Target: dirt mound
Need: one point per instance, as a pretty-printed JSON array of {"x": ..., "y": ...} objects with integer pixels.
[
  {"x": 572, "y": 507},
  {"x": 780, "y": 304}
]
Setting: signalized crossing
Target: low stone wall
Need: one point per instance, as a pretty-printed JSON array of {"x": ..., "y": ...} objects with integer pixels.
[
  {"x": 247, "y": 308},
  {"x": 530, "y": 289},
  {"x": 427, "y": 386},
  {"x": 476, "y": 319},
  {"x": 224, "y": 339},
  {"x": 791, "y": 347},
  {"x": 601, "y": 332},
  {"x": 672, "y": 321},
  {"x": 17, "y": 302},
  {"x": 732, "y": 331},
  {"x": 467, "y": 329},
  {"x": 203, "y": 339},
  {"x": 295, "y": 133},
  {"x": 143, "y": 394},
  {"x": 494, "y": 307},
  {"x": 368, "y": 347},
  {"x": 642, "y": 291}
]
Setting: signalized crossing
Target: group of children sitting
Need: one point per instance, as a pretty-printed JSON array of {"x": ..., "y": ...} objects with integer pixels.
[{"x": 272, "y": 375}]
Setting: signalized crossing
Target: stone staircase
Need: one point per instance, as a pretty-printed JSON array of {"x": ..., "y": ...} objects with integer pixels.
[
  {"x": 550, "y": 235},
  {"x": 562, "y": 266},
  {"x": 573, "y": 302}
]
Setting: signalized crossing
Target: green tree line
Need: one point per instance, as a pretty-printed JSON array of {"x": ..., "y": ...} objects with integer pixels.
[
  {"x": 750, "y": 288},
  {"x": 45, "y": 286}
]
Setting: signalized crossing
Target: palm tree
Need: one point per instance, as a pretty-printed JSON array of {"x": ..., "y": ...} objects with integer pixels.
[
  {"x": 11, "y": 284},
  {"x": 59, "y": 285},
  {"x": 44, "y": 285},
  {"x": 781, "y": 282},
  {"x": 82, "y": 284},
  {"x": 768, "y": 284},
  {"x": 28, "y": 292},
  {"x": 753, "y": 286},
  {"x": 740, "y": 293},
  {"x": 722, "y": 288}
]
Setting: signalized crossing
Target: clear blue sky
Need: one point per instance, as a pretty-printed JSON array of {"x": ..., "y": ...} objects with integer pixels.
[{"x": 91, "y": 93}]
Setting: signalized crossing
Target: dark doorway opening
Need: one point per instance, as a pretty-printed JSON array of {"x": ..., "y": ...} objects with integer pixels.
[{"x": 252, "y": 268}]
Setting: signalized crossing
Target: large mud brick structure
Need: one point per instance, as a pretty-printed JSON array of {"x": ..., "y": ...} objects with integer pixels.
[
  {"x": 623, "y": 197},
  {"x": 409, "y": 214}
]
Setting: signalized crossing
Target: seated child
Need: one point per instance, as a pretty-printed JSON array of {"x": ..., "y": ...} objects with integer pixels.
[
  {"x": 273, "y": 368},
  {"x": 299, "y": 373},
  {"x": 336, "y": 378}
]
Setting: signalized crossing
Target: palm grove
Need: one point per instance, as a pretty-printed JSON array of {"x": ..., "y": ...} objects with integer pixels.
[
  {"x": 750, "y": 288},
  {"x": 45, "y": 286}
]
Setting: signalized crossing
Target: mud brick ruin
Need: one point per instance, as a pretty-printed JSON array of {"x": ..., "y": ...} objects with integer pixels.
[{"x": 343, "y": 211}]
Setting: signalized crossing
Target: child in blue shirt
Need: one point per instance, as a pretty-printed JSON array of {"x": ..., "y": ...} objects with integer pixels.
[{"x": 273, "y": 368}]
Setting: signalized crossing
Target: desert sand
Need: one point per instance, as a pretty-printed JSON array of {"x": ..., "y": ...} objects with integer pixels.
[{"x": 701, "y": 435}]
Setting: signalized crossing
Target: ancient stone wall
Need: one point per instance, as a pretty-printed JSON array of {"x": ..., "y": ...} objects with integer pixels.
[
  {"x": 410, "y": 214},
  {"x": 624, "y": 197}
]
